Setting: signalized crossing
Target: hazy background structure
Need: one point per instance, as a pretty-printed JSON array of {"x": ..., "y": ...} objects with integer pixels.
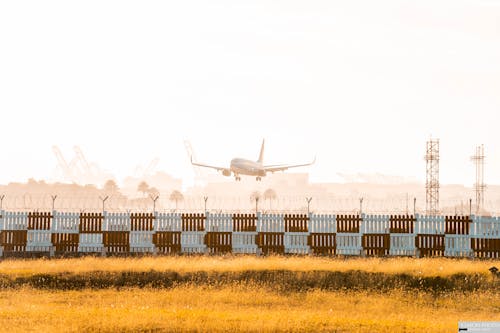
[
  {"x": 432, "y": 177},
  {"x": 479, "y": 186}
]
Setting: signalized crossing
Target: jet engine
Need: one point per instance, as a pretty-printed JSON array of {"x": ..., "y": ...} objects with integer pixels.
[{"x": 226, "y": 172}]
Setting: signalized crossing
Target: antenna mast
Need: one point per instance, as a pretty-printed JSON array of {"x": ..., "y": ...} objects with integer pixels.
[
  {"x": 479, "y": 186},
  {"x": 432, "y": 177}
]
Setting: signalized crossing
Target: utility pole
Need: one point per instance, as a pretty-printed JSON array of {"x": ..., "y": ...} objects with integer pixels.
[
  {"x": 470, "y": 207},
  {"x": 54, "y": 197},
  {"x": 308, "y": 203},
  {"x": 360, "y": 206},
  {"x": 154, "y": 198},
  {"x": 205, "y": 198},
  {"x": 1, "y": 200},
  {"x": 256, "y": 204},
  {"x": 414, "y": 207},
  {"x": 103, "y": 201}
]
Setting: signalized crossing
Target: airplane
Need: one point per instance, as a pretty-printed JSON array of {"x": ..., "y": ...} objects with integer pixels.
[{"x": 241, "y": 166}]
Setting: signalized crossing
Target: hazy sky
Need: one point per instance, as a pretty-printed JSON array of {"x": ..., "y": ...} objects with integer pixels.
[{"x": 360, "y": 84}]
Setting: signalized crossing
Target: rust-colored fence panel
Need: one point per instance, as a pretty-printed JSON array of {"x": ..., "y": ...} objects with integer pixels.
[
  {"x": 271, "y": 242},
  {"x": 348, "y": 223},
  {"x": 142, "y": 221},
  {"x": 486, "y": 247},
  {"x": 244, "y": 222},
  {"x": 116, "y": 241},
  {"x": 296, "y": 223},
  {"x": 193, "y": 222},
  {"x": 39, "y": 220},
  {"x": 65, "y": 242},
  {"x": 457, "y": 225},
  {"x": 322, "y": 243},
  {"x": 401, "y": 224},
  {"x": 13, "y": 241},
  {"x": 168, "y": 242},
  {"x": 430, "y": 245},
  {"x": 376, "y": 244},
  {"x": 90, "y": 223},
  {"x": 219, "y": 242}
]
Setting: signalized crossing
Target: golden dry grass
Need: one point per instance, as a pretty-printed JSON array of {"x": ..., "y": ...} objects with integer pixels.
[
  {"x": 182, "y": 264},
  {"x": 239, "y": 308},
  {"x": 232, "y": 306}
]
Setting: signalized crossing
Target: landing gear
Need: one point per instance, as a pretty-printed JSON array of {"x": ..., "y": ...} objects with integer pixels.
[
  {"x": 238, "y": 178},
  {"x": 258, "y": 179}
]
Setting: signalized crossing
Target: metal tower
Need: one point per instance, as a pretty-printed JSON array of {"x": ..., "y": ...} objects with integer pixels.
[
  {"x": 479, "y": 185},
  {"x": 432, "y": 177}
]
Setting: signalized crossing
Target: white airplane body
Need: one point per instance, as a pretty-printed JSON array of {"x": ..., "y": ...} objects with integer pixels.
[{"x": 241, "y": 166}]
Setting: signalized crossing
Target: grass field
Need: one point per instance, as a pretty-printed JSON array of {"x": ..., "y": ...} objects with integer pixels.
[
  {"x": 239, "y": 308},
  {"x": 422, "y": 267},
  {"x": 244, "y": 294}
]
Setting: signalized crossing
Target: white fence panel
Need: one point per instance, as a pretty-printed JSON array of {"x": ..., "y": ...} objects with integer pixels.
[
  {"x": 457, "y": 246},
  {"x": 348, "y": 243},
  {"x": 67, "y": 223},
  {"x": 141, "y": 239},
  {"x": 90, "y": 243},
  {"x": 168, "y": 222},
  {"x": 116, "y": 222},
  {"x": 270, "y": 223},
  {"x": 39, "y": 241},
  {"x": 219, "y": 222},
  {"x": 15, "y": 221},
  {"x": 375, "y": 224},
  {"x": 322, "y": 223},
  {"x": 402, "y": 245},
  {"x": 296, "y": 242},
  {"x": 485, "y": 227},
  {"x": 244, "y": 242},
  {"x": 193, "y": 242},
  {"x": 39, "y": 237},
  {"x": 430, "y": 225}
]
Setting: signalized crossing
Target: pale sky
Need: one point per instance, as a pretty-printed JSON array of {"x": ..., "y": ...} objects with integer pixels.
[{"x": 360, "y": 84}]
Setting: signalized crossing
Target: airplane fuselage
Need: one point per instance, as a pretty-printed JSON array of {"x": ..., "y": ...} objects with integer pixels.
[{"x": 241, "y": 166}]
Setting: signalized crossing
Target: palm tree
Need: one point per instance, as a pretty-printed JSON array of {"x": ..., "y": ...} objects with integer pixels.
[
  {"x": 143, "y": 187},
  {"x": 176, "y": 196},
  {"x": 270, "y": 195},
  {"x": 110, "y": 187},
  {"x": 255, "y": 197}
]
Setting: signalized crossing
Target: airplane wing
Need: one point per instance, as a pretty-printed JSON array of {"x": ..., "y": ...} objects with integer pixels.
[
  {"x": 275, "y": 168},
  {"x": 207, "y": 166}
]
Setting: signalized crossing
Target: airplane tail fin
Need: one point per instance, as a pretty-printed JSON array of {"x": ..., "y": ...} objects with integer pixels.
[{"x": 261, "y": 155}]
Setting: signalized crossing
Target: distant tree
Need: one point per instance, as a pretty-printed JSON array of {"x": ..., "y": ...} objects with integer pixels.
[
  {"x": 143, "y": 187},
  {"x": 110, "y": 187},
  {"x": 255, "y": 196},
  {"x": 270, "y": 195},
  {"x": 176, "y": 196}
]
